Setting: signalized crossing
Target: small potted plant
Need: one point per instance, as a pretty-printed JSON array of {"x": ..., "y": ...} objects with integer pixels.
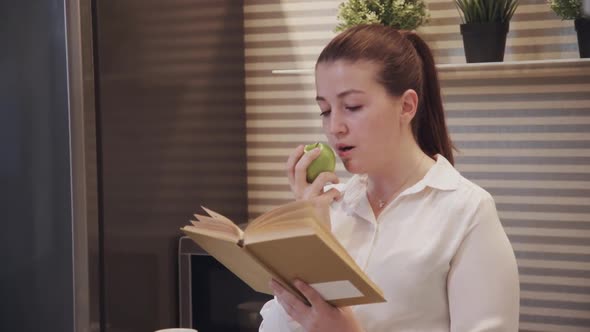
[
  {"x": 485, "y": 26},
  {"x": 572, "y": 10},
  {"x": 400, "y": 14}
]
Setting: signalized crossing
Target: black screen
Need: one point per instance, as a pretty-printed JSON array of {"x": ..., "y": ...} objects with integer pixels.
[{"x": 221, "y": 301}]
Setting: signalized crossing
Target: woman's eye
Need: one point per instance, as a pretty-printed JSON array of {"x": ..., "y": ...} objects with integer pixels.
[
  {"x": 325, "y": 113},
  {"x": 353, "y": 108}
]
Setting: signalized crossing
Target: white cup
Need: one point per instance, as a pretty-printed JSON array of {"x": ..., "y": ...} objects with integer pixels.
[{"x": 177, "y": 330}]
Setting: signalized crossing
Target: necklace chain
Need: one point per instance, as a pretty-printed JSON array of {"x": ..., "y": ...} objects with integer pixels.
[{"x": 381, "y": 202}]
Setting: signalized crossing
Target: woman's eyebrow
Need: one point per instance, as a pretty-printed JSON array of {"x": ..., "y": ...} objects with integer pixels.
[{"x": 341, "y": 94}]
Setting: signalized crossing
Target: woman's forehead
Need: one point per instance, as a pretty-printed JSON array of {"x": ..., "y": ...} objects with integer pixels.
[
  {"x": 334, "y": 77},
  {"x": 361, "y": 67}
]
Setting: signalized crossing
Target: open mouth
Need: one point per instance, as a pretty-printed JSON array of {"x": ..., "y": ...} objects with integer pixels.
[{"x": 345, "y": 148}]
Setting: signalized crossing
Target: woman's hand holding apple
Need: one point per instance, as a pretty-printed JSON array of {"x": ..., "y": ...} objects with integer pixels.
[{"x": 297, "y": 167}]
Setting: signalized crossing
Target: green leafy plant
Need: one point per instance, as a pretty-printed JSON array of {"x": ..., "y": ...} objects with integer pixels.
[
  {"x": 567, "y": 9},
  {"x": 486, "y": 11},
  {"x": 401, "y": 14}
]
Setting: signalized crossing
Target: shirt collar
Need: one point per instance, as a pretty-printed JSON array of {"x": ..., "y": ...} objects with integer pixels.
[{"x": 441, "y": 176}]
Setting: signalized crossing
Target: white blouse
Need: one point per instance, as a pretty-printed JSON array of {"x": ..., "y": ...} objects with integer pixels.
[{"x": 438, "y": 252}]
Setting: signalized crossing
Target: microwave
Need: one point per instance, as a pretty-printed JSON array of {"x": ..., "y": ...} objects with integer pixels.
[{"x": 212, "y": 298}]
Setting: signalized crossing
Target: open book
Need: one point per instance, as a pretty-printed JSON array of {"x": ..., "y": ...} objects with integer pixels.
[{"x": 287, "y": 243}]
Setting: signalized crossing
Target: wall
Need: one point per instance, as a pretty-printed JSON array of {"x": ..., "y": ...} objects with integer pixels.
[
  {"x": 171, "y": 137},
  {"x": 522, "y": 131}
]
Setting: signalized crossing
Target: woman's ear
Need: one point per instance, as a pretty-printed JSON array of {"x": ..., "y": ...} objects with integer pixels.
[{"x": 409, "y": 100}]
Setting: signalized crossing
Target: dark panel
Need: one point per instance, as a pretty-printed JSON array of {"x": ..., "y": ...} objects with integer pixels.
[
  {"x": 171, "y": 137},
  {"x": 36, "y": 286}
]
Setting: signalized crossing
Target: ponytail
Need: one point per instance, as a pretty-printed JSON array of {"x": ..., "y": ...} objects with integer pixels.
[{"x": 429, "y": 127}]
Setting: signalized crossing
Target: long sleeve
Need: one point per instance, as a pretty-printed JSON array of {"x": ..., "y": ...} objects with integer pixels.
[
  {"x": 483, "y": 286},
  {"x": 276, "y": 319}
]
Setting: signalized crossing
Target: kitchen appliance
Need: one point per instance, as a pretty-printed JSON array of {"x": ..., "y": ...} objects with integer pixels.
[{"x": 212, "y": 298}]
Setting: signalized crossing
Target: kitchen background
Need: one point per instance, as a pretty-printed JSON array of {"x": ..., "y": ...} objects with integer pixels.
[{"x": 120, "y": 118}]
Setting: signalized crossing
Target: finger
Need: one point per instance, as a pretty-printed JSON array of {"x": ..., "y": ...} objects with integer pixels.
[
  {"x": 292, "y": 161},
  {"x": 316, "y": 300},
  {"x": 332, "y": 195},
  {"x": 302, "y": 165},
  {"x": 294, "y": 307},
  {"x": 287, "y": 307},
  {"x": 323, "y": 202},
  {"x": 296, "y": 311},
  {"x": 322, "y": 180}
]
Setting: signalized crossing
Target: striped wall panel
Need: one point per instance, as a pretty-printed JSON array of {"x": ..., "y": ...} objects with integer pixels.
[
  {"x": 522, "y": 130},
  {"x": 524, "y": 135}
]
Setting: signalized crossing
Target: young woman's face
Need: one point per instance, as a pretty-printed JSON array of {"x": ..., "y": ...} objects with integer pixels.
[{"x": 363, "y": 123}]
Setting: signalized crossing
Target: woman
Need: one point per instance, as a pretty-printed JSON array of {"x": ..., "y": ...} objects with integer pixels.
[{"x": 428, "y": 237}]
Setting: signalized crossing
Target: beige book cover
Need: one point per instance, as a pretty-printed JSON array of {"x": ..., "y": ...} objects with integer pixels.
[{"x": 287, "y": 243}]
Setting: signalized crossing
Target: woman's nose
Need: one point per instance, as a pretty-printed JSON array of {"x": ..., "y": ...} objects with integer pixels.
[{"x": 337, "y": 124}]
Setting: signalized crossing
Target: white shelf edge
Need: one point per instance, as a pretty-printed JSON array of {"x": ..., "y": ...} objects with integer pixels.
[
  {"x": 292, "y": 71},
  {"x": 507, "y": 64},
  {"x": 467, "y": 66}
]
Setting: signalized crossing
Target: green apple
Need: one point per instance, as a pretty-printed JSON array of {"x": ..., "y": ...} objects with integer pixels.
[{"x": 325, "y": 162}]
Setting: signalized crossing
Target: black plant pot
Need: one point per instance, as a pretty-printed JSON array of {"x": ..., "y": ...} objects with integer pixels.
[
  {"x": 583, "y": 30},
  {"x": 484, "y": 42}
]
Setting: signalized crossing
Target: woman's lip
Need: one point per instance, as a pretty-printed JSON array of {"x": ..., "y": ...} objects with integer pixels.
[{"x": 344, "y": 153}]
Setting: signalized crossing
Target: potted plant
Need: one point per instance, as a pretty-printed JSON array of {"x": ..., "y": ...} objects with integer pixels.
[
  {"x": 400, "y": 14},
  {"x": 572, "y": 10},
  {"x": 485, "y": 27}
]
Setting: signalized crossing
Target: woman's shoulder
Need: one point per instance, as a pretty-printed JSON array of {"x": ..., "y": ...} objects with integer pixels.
[
  {"x": 474, "y": 192},
  {"x": 474, "y": 202},
  {"x": 448, "y": 180}
]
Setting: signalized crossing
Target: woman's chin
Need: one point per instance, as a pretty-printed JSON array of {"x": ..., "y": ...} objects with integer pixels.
[{"x": 352, "y": 167}]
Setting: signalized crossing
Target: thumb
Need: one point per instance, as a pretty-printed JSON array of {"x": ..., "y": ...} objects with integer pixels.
[
  {"x": 332, "y": 195},
  {"x": 325, "y": 199},
  {"x": 322, "y": 205}
]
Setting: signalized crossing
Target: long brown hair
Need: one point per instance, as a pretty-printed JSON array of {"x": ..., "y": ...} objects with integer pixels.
[{"x": 406, "y": 63}]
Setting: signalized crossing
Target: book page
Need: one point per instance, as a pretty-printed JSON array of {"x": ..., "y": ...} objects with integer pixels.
[
  {"x": 286, "y": 215},
  {"x": 222, "y": 220},
  {"x": 220, "y": 235},
  {"x": 211, "y": 224},
  {"x": 278, "y": 212}
]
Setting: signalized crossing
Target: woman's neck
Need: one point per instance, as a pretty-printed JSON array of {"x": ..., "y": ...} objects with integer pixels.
[{"x": 403, "y": 172}]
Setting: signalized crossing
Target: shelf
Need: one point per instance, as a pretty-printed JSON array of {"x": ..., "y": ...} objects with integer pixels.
[
  {"x": 535, "y": 64},
  {"x": 292, "y": 71},
  {"x": 530, "y": 64}
]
